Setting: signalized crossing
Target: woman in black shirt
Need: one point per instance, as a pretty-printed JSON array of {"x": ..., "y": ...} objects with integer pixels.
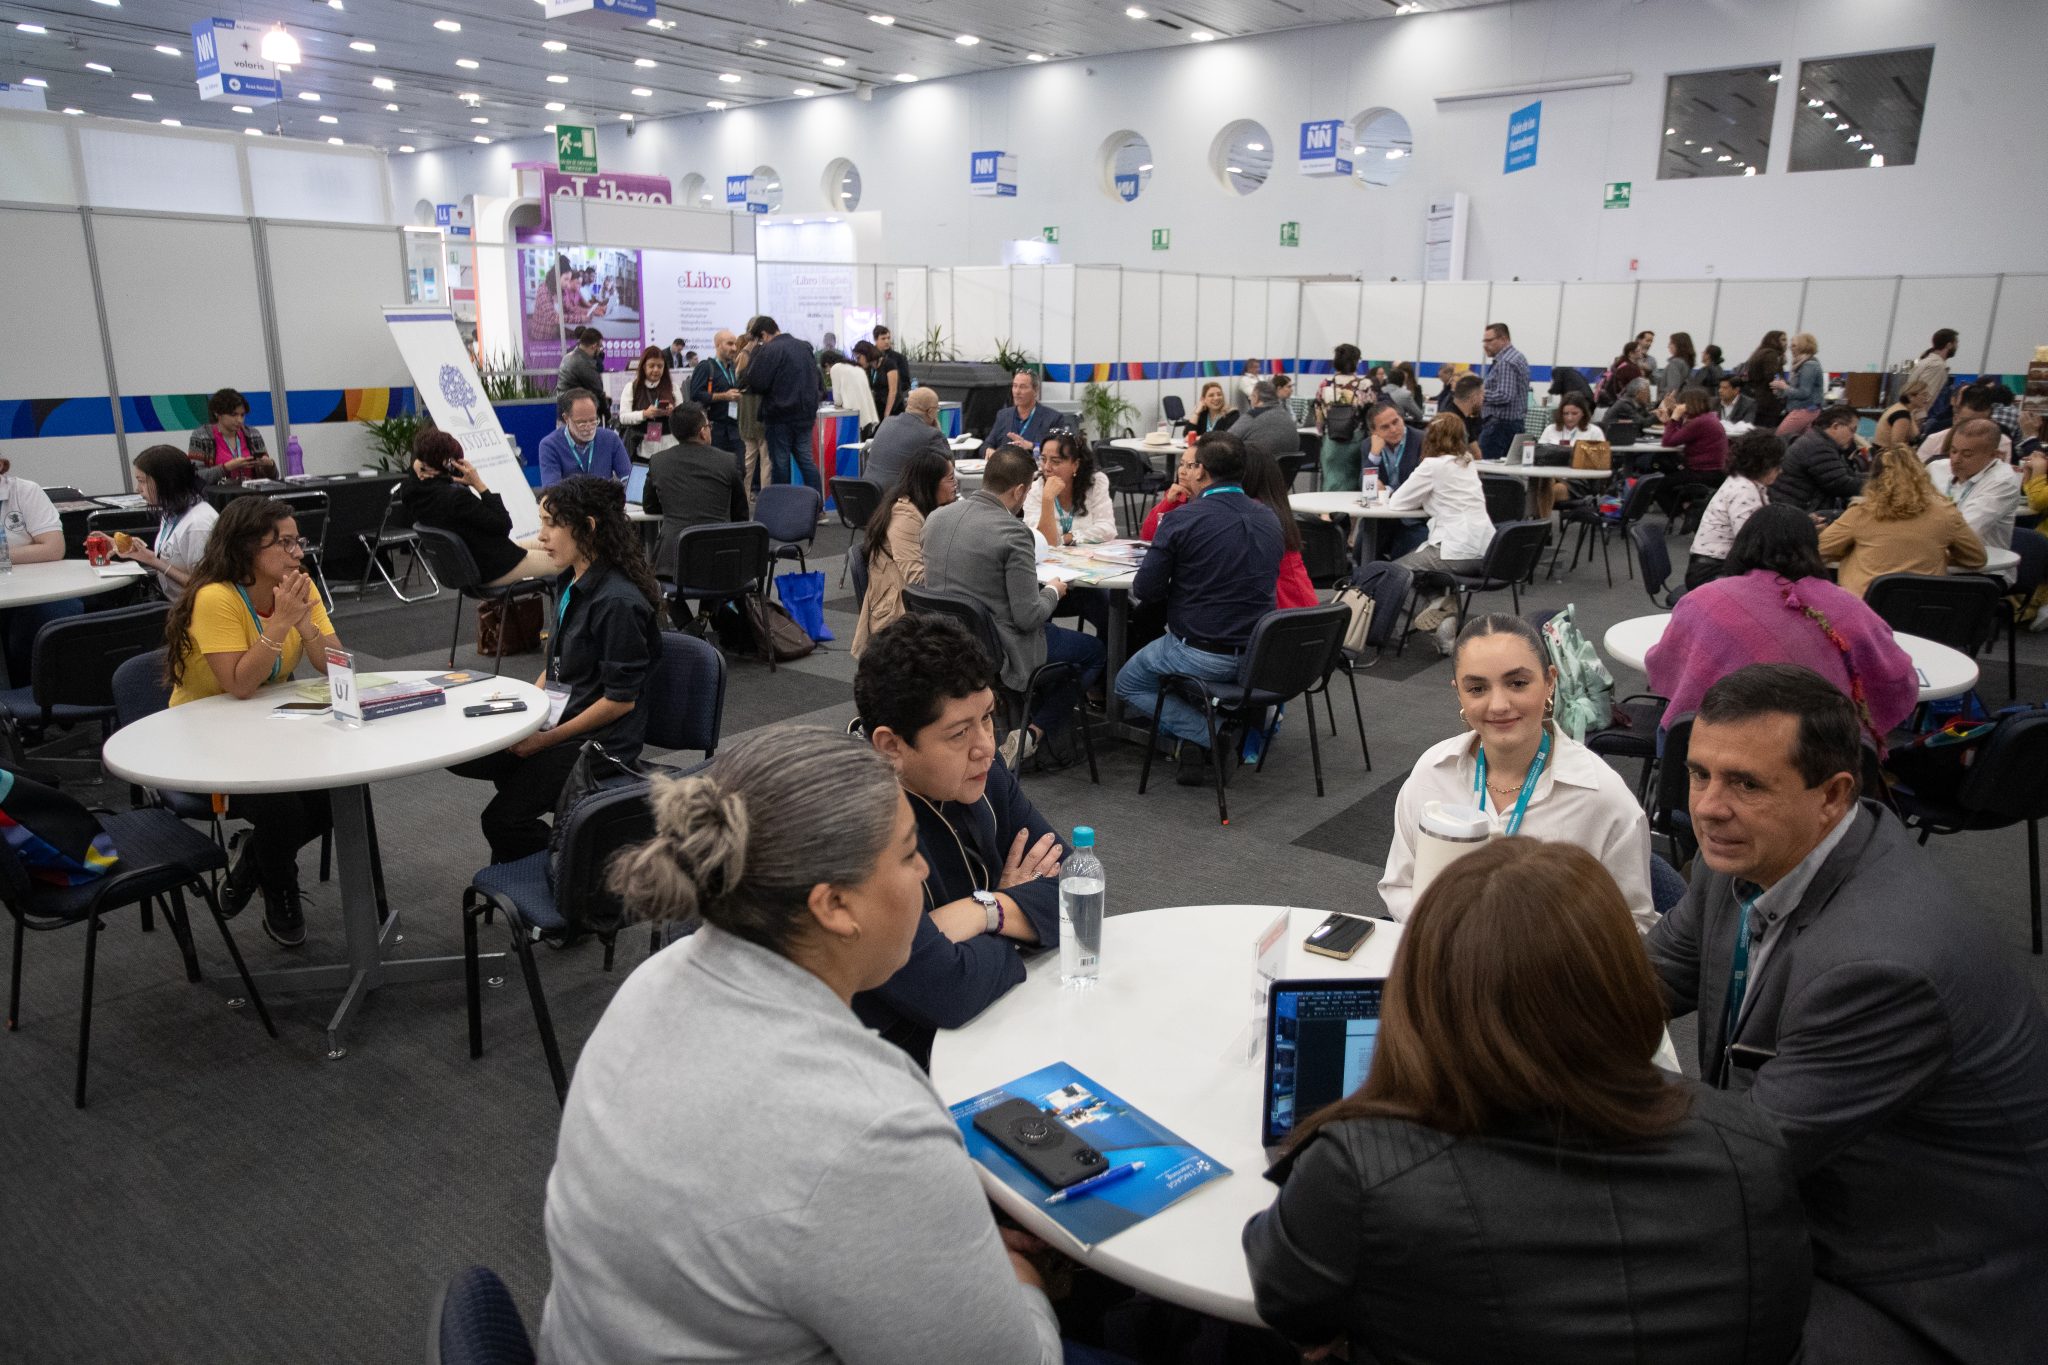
[
  {"x": 448, "y": 494},
  {"x": 601, "y": 657}
]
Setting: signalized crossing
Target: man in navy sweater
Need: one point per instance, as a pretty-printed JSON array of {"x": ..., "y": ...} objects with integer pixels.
[
  {"x": 783, "y": 370},
  {"x": 926, "y": 695}
]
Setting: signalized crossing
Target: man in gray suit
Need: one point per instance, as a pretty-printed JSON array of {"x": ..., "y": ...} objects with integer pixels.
[
  {"x": 898, "y": 438},
  {"x": 976, "y": 546},
  {"x": 1269, "y": 426},
  {"x": 1842, "y": 984}
]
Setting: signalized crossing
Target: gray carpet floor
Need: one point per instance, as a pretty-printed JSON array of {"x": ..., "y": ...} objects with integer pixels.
[{"x": 226, "y": 1197}]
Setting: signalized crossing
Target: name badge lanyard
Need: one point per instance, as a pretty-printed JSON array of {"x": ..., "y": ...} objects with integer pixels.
[
  {"x": 1514, "y": 821},
  {"x": 583, "y": 455},
  {"x": 555, "y": 641},
  {"x": 1738, "y": 970},
  {"x": 277, "y": 661},
  {"x": 221, "y": 444}
]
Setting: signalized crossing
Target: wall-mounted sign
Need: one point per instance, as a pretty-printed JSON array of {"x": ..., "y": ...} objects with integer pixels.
[
  {"x": 22, "y": 97},
  {"x": 228, "y": 58},
  {"x": 1525, "y": 125},
  {"x": 575, "y": 149},
  {"x": 625, "y": 189},
  {"x": 1127, "y": 186},
  {"x": 1050, "y": 234},
  {"x": 1616, "y": 195},
  {"x": 736, "y": 189},
  {"x": 637, "y": 10},
  {"x": 1162, "y": 239},
  {"x": 1290, "y": 234},
  {"x": 992, "y": 174},
  {"x": 1322, "y": 147}
]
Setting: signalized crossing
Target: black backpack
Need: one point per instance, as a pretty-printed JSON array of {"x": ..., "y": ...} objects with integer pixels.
[{"x": 1341, "y": 421}]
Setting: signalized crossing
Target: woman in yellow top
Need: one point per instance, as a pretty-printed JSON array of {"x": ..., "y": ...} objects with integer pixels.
[
  {"x": 248, "y": 615},
  {"x": 1900, "y": 525}
]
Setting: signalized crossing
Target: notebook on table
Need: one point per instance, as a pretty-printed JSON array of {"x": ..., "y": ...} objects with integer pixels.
[{"x": 1319, "y": 1041}]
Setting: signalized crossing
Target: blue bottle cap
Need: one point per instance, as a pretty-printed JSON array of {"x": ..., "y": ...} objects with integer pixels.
[{"x": 1084, "y": 837}]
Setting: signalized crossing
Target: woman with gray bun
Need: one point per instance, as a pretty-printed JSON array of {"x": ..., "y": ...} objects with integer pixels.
[{"x": 744, "y": 1171}]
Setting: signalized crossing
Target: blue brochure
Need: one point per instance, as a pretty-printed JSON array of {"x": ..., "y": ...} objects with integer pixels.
[{"x": 1173, "y": 1169}]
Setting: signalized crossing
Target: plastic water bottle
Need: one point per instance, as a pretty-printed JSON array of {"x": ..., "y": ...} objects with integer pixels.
[
  {"x": 294, "y": 458},
  {"x": 6, "y": 550},
  {"x": 1083, "y": 890}
]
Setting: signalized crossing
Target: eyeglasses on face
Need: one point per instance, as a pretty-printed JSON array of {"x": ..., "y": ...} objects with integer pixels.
[{"x": 297, "y": 545}]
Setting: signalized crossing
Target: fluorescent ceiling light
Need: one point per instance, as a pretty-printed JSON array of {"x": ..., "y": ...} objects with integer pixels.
[
  {"x": 760, "y": 42},
  {"x": 479, "y": 119},
  {"x": 1867, "y": 147},
  {"x": 834, "y": 61},
  {"x": 645, "y": 63},
  {"x": 470, "y": 97},
  {"x": 1395, "y": 153},
  {"x": 1034, "y": 56},
  {"x": 883, "y": 19},
  {"x": 383, "y": 83},
  {"x": 967, "y": 40},
  {"x": 1815, "y": 104},
  {"x": 170, "y": 123},
  {"x": 547, "y": 127},
  {"x": 31, "y": 28},
  {"x": 1877, "y": 158},
  {"x": 99, "y": 66},
  {"x": 729, "y": 77},
  {"x": 1146, "y": 167},
  {"x": 329, "y": 118},
  {"x": 1133, "y": 12},
  {"x": 555, "y": 106},
  {"x": 642, "y": 92},
  {"x": 360, "y": 46},
  {"x": 1201, "y": 35},
  {"x": 625, "y": 118},
  {"x": 390, "y": 108},
  {"x": 310, "y": 96},
  {"x": 1671, "y": 132},
  {"x": 36, "y": 81},
  {"x": 716, "y": 104},
  {"x": 558, "y": 79},
  {"x": 468, "y": 63},
  {"x": 1723, "y": 157},
  {"x": 804, "y": 92},
  {"x": 74, "y": 111},
  {"x": 906, "y": 78},
  {"x": 334, "y": 142},
  {"x": 555, "y": 45},
  {"x": 168, "y": 50},
  {"x": 775, "y": 184},
  {"x": 1751, "y": 170},
  {"x": 280, "y": 47},
  {"x": 1777, "y": 76},
  {"x": 253, "y": 132},
  {"x": 1235, "y": 170},
  {"x": 1255, "y": 146},
  {"x": 447, "y": 26},
  {"x": 405, "y": 147},
  {"x": 144, "y": 96},
  {"x": 481, "y": 140},
  {"x": 243, "y": 109}
]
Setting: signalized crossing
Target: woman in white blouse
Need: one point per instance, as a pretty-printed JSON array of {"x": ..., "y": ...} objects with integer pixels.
[
  {"x": 1520, "y": 769},
  {"x": 1445, "y": 487},
  {"x": 1069, "y": 501},
  {"x": 168, "y": 481},
  {"x": 1573, "y": 423},
  {"x": 1753, "y": 460}
]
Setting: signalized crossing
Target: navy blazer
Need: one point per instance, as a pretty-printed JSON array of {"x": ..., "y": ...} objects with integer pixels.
[
  {"x": 1397, "y": 465},
  {"x": 1908, "y": 1071},
  {"x": 945, "y": 984},
  {"x": 1043, "y": 422}
]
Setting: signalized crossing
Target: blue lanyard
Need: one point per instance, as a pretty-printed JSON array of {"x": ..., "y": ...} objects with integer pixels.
[
  {"x": 165, "y": 530},
  {"x": 1514, "y": 822},
  {"x": 731, "y": 380},
  {"x": 583, "y": 455},
  {"x": 278, "y": 661},
  {"x": 1223, "y": 488},
  {"x": 1738, "y": 970}
]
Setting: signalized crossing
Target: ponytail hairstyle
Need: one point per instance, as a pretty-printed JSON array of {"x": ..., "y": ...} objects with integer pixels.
[
  {"x": 593, "y": 511},
  {"x": 742, "y": 844}
]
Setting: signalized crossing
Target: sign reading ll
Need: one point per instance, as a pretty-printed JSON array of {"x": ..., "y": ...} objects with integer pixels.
[
  {"x": 1321, "y": 148},
  {"x": 1525, "y": 126},
  {"x": 575, "y": 149}
]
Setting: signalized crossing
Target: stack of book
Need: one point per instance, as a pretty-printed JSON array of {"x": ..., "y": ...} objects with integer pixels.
[{"x": 396, "y": 698}]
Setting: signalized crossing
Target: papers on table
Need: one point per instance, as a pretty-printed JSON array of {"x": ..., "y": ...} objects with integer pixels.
[
  {"x": 1083, "y": 565},
  {"x": 120, "y": 568}
]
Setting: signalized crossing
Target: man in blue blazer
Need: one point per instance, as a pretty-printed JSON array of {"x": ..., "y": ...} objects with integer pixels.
[
  {"x": 1842, "y": 984},
  {"x": 1027, "y": 421},
  {"x": 1396, "y": 451}
]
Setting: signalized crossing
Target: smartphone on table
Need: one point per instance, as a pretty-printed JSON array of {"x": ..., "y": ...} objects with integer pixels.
[{"x": 1339, "y": 936}]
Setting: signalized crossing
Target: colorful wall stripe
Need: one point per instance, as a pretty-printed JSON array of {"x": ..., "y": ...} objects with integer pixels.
[{"x": 24, "y": 419}]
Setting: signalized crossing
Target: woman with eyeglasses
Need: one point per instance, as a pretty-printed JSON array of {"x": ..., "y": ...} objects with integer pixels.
[{"x": 249, "y": 613}]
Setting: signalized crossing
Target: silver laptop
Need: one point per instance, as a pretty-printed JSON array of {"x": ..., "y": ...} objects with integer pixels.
[
  {"x": 1319, "y": 1041},
  {"x": 1516, "y": 448}
]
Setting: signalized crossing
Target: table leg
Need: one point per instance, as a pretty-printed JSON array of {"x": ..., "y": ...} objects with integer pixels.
[{"x": 1368, "y": 539}]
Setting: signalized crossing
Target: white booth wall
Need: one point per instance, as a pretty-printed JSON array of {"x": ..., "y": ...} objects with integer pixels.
[{"x": 911, "y": 145}]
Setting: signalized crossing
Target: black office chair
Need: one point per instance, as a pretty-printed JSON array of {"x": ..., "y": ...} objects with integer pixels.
[
  {"x": 724, "y": 562},
  {"x": 1132, "y": 480},
  {"x": 1290, "y": 468},
  {"x": 1288, "y": 656},
  {"x": 857, "y": 569},
  {"x": 1671, "y": 795},
  {"x": 857, "y": 501},
  {"x": 72, "y": 676},
  {"x": 1957, "y": 610},
  {"x": 1016, "y": 706},
  {"x": 1516, "y": 550},
  {"x": 1506, "y": 499},
  {"x": 2032, "y": 548},
  {"x": 1588, "y": 517},
  {"x": 686, "y": 698},
  {"x": 790, "y": 512},
  {"x": 1653, "y": 552},
  {"x": 310, "y": 511},
  {"x": 2001, "y": 787},
  {"x": 394, "y": 532},
  {"x": 1174, "y": 408},
  {"x": 160, "y": 858},
  {"x": 1323, "y": 552},
  {"x": 475, "y": 1322},
  {"x": 599, "y": 826},
  {"x": 453, "y": 567}
]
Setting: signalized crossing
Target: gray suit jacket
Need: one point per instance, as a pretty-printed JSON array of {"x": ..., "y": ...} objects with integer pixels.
[
  {"x": 895, "y": 441},
  {"x": 1909, "y": 1076},
  {"x": 978, "y": 547},
  {"x": 1271, "y": 430}
]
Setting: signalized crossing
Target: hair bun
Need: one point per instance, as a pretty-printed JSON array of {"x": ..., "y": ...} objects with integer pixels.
[{"x": 698, "y": 854}]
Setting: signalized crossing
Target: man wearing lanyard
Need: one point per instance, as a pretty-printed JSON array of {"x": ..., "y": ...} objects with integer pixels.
[
  {"x": 580, "y": 445},
  {"x": 1214, "y": 562},
  {"x": 715, "y": 387},
  {"x": 1979, "y": 482},
  {"x": 1026, "y": 422},
  {"x": 1840, "y": 981}
]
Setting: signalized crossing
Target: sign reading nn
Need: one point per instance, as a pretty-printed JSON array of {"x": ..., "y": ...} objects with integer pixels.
[
  {"x": 1617, "y": 194},
  {"x": 228, "y": 59},
  {"x": 1320, "y": 146},
  {"x": 575, "y": 149},
  {"x": 992, "y": 174},
  {"x": 1290, "y": 234},
  {"x": 1525, "y": 125}
]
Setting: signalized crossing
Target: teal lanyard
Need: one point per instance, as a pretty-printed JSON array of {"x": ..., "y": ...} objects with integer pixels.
[
  {"x": 1514, "y": 822},
  {"x": 1223, "y": 488},
  {"x": 583, "y": 455},
  {"x": 555, "y": 643},
  {"x": 731, "y": 382},
  {"x": 278, "y": 661},
  {"x": 1738, "y": 970}
]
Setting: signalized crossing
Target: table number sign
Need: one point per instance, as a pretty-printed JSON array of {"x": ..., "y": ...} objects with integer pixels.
[
  {"x": 341, "y": 686},
  {"x": 1269, "y": 955}
]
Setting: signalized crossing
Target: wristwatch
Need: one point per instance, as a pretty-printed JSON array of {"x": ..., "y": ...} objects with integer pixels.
[{"x": 993, "y": 907}]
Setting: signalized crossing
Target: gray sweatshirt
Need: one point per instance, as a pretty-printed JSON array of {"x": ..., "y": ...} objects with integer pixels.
[{"x": 745, "y": 1172}]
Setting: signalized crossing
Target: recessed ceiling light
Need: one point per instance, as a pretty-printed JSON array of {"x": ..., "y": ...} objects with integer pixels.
[
  {"x": 74, "y": 111},
  {"x": 804, "y": 92},
  {"x": 1867, "y": 147},
  {"x": 361, "y": 46},
  {"x": 383, "y": 83},
  {"x": 1671, "y": 132},
  {"x": 642, "y": 92},
  {"x": 547, "y": 127},
  {"x": 110, "y": 4},
  {"x": 329, "y": 118},
  {"x": 468, "y": 63},
  {"x": 558, "y": 80},
  {"x": 481, "y": 140},
  {"x": 447, "y": 26},
  {"x": 555, "y": 106},
  {"x": 243, "y": 109},
  {"x": 555, "y": 45},
  {"x": 760, "y": 42},
  {"x": 1034, "y": 56},
  {"x": 144, "y": 96},
  {"x": 470, "y": 97},
  {"x": 168, "y": 50},
  {"x": 716, "y": 104},
  {"x": 31, "y": 28},
  {"x": 1235, "y": 170},
  {"x": 1133, "y": 12},
  {"x": 1255, "y": 146},
  {"x": 1723, "y": 157},
  {"x": 1776, "y": 76},
  {"x": 967, "y": 40},
  {"x": 906, "y": 77},
  {"x": 1815, "y": 104},
  {"x": 883, "y": 19},
  {"x": 1395, "y": 153},
  {"x": 253, "y": 132},
  {"x": 835, "y": 61},
  {"x": 625, "y": 118},
  {"x": 479, "y": 119},
  {"x": 1877, "y": 158},
  {"x": 1751, "y": 170},
  {"x": 390, "y": 108},
  {"x": 335, "y": 142},
  {"x": 99, "y": 66},
  {"x": 729, "y": 77},
  {"x": 1201, "y": 35},
  {"x": 405, "y": 147},
  {"x": 310, "y": 96},
  {"x": 36, "y": 81},
  {"x": 645, "y": 63},
  {"x": 170, "y": 123},
  {"x": 1146, "y": 167},
  {"x": 334, "y": 4}
]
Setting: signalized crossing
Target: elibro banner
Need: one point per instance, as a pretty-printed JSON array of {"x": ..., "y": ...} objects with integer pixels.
[{"x": 447, "y": 382}]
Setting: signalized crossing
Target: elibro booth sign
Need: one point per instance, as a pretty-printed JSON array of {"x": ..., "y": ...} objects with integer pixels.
[{"x": 624, "y": 189}]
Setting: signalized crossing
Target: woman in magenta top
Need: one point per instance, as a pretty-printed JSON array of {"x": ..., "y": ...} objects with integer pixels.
[
  {"x": 227, "y": 447},
  {"x": 1690, "y": 421},
  {"x": 1775, "y": 606}
]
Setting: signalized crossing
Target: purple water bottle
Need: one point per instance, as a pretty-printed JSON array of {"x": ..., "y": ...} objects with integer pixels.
[{"x": 294, "y": 458}]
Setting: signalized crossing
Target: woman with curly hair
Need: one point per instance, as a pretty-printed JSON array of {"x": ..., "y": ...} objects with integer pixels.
[
  {"x": 1901, "y": 526},
  {"x": 1069, "y": 502},
  {"x": 601, "y": 655},
  {"x": 248, "y": 614}
]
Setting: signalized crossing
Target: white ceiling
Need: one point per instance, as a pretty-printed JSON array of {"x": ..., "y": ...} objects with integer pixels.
[{"x": 774, "y": 47}]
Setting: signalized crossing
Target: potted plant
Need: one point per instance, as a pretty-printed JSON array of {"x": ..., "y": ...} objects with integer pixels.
[
  {"x": 1015, "y": 358},
  {"x": 1103, "y": 409},
  {"x": 934, "y": 347},
  {"x": 392, "y": 439}
]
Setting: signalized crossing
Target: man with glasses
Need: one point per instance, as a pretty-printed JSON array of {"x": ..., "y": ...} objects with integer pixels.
[
  {"x": 580, "y": 445},
  {"x": 1977, "y": 479},
  {"x": 1269, "y": 426}
]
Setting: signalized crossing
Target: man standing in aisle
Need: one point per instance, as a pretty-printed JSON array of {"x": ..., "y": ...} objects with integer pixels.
[
  {"x": 1506, "y": 401},
  {"x": 715, "y": 387},
  {"x": 891, "y": 377},
  {"x": 582, "y": 368},
  {"x": 784, "y": 371}
]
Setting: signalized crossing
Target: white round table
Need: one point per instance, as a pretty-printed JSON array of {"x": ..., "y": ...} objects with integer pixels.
[
  {"x": 1148, "y": 449},
  {"x": 1532, "y": 472},
  {"x": 1354, "y": 504},
  {"x": 1997, "y": 559},
  {"x": 1165, "y": 1028},
  {"x": 30, "y": 585},
  {"x": 1942, "y": 672},
  {"x": 220, "y": 744}
]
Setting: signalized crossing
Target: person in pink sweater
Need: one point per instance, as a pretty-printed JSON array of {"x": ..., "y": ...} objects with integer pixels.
[{"x": 1776, "y": 605}]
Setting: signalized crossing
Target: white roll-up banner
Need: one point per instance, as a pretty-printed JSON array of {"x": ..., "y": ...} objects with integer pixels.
[{"x": 446, "y": 379}]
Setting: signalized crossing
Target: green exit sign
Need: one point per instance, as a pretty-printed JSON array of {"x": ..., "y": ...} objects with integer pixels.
[
  {"x": 1050, "y": 234},
  {"x": 1617, "y": 194},
  {"x": 1162, "y": 239},
  {"x": 1290, "y": 234},
  {"x": 575, "y": 149}
]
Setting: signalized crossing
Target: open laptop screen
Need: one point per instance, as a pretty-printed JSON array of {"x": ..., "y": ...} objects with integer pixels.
[
  {"x": 1319, "y": 1041},
  {"x": 636, "y": 485}
]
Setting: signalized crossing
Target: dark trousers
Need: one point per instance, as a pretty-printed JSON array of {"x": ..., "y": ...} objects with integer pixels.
[
  {"x": 528, "y": 789},
  {"x": 725, "y": 432},
  {"x": 1496, "y": 435},
  {"x": 283, "y": 823},
  {"x": 790, "y": 442},
  {"x": 18, "y": 627},
  {"x": 1062, "y": 646}
]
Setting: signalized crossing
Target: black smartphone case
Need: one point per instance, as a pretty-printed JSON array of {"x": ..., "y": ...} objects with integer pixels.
[{"x": 1047, "y": 1148}]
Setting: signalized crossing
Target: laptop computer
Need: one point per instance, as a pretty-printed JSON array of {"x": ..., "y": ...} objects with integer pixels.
[
  {"x": 1516, "y": 447},
  {"x": 1319, "y": 1042},
  {"x": 636, "y": 485}
]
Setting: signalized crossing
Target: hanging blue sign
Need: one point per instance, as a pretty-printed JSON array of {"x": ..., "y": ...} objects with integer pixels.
[
  {"x": 736, "y": 189},
  {"x": 228, "y": 60},
  {"x": 1322, "y": 145},
  {"x": 1525, "y": 125},
  {"x": 992, "y": 174},
  {"x": 624, "y": 9},
  {"x": 1127, "y": 187}
]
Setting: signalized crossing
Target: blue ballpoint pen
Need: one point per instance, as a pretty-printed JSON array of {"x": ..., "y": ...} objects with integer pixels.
[{"x": 1096, "y": 1182}]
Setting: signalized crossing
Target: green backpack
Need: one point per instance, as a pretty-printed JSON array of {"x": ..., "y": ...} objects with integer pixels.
[{"x": 1585, "y": 689}]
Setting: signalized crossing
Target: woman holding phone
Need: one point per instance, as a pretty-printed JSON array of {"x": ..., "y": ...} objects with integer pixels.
[
  {"x": 650, "y": 398},
  {"x": 169, "y": 482},
  {"x": 447, "y": 493}
]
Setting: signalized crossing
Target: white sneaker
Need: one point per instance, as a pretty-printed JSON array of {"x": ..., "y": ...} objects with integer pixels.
[{"x": 1018, "y": 746}]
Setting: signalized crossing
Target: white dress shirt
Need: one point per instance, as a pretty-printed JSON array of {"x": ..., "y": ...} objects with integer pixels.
[
  {"x": 1093, "y": 525},
  {"x": 1733, "y": 503},
  {"x": 1989, "y": 502},
  {"x": 1578, "y": 800},
  {"x": 1446, "y": 488},
  {"x": 1555, "y": 435},
  {"x": 1935, "y": 447}
]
